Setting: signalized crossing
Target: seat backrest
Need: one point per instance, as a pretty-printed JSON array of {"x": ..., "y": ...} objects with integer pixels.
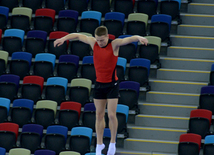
[
  {"x": 179, "y": 2},
  {"x": 46, "y": 57},
  {"x": 10, "y": 78},
  {"x": 19, "y": 151},
  {"x": 82, "y": 82},
  {"x": 202, "y": 113},
  {"x": 5, "y": 102},
  {"x": 4, "y": 56},
  {"x": 58, "y": 81},
  {"x": 122, "y": 62},
  {"x": 115, "y": 16},
  {"x": 141, "y": 62},
  {"x": 138, "y": 17},
  {"x": 207, "y": 90},
  {"x": 209, "y": 139},
  {"x": 2, "y": 151},
  {"x": 48, "y": 104},
  {"x": 130, "y": 85},
  {"x": 46, "y": 12},
  {"x": 92, "y": 15},
  {"x": 58, "y": 34},
  {"x": 22, "y": 56},
  {"x": 123, "y": 109},
  {"x": 162, "y": 18},
  {"x": 87, "y": 60},
  {"x": 124, "y": 36},
  {"x": 92, "y": 154},
  {"x": 212, "y": 67},
  {"x": 37, "y": 34},
  {"x": 35, "y": 80},
  {"x": 0, "y": 35},
  {"x": 27, "y": 103},
  {"x": 44, "y": 152},
  {"x": 89, "y": 107},
  {"x": 87, "y": 34},
  {"x": 57, "y": 129},
  {"x": 35, "y": 128},
  {"x": 15, "y": 33},
  {"x": 70, "y": 105},
  {"x": 191, "y": 137},
  {"x": 22, "y": 11},
  {"x": 107, "y": 133},
  {"x": 85, "y": 131},
  {"x": 69, "y": 153},
  {"x": 69, "y": 58},
  {"x": 111, "y": 36},
  {"x": 69, "y": 13},
  {"x": 154, "y": 40},
  {"x": 13, "y": 127},
  {"x": 5, "y": 11}
]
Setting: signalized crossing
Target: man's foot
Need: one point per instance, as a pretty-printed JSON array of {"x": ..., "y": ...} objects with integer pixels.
[
  {"x": 111, "y": 149},
  {"x": 99, "y": 148}
]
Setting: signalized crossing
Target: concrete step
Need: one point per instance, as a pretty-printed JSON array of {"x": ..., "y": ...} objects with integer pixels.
[
  {"x": 151, "y": 145},
  {"x": 122, "y": 151},
  {"x": 164, "y": 109},
  {"x": 201, "y": 8},
  {"x": 192, "y": 41},
  {"x": 197, "y": 19},
  {"x": 191, "y": 30},
  {"x": 190, "y": 52},
  {"x": 176, "y": 86},
  {"x": 183, "y": 75},
  {"x": 162, "y": 121},
  {"x": 173, "y": 98},
  {"x": 186, "y": 63},
  {"x": 204, "y": 1},
  {"x": 155, "y": 133}
]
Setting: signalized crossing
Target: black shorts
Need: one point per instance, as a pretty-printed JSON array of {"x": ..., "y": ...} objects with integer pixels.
[{"x": 106, "y": 90}]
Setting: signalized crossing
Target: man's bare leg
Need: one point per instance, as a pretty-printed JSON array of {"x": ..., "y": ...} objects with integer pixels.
[
  {"x": 113, "y": 124},
  {"x": 100, "y": 105}
]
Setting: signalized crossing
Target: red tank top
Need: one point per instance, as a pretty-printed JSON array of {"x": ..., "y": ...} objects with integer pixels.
[{"x": 105, "y": 63}]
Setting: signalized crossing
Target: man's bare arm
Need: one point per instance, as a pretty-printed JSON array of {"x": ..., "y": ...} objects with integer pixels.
[
  {"x": 120, "y": 42},
  {"x": 75, "y": 36},
  {"x": 127, "y": 40}
]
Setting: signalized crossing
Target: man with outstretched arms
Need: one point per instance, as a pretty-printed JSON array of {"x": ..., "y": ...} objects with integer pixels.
[{"x": 106, "y": 90}]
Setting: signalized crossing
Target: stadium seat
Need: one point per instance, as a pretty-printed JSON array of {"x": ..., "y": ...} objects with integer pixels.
[
  {"x": 13, "y": 37},
  {"x": 67, "y": 21},
  {"x": 31, "y": 137},
  {"x": 35, "y": 42}
]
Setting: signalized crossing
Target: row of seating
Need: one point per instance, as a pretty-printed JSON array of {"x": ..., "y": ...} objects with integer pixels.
[
  {"x": 199, "y": 127},
  {"x": 79, "y": 139},
  {"x": 79, "y": 90},
  {"x": 90, "y": 20},
  {"x": 44, "y": 65},
  {"x": 44, "y": 117},
  {"x": 23, "y": 151},
  {"x": 45, "y": 113},
  {"x": 124, "y": 6},
  {"x": 35, "y": 43},
  {"x": 190, "y": 144}
]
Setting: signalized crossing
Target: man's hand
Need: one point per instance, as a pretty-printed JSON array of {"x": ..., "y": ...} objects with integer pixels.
[
  {"x": 58, "y": 42},
  {"x": 143, "y": 40}
]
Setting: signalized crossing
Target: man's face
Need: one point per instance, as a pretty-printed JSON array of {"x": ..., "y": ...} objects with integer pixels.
[{"x": 102, "y": 41}]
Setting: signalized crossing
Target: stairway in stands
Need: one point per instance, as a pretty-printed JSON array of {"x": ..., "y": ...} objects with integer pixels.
[{"x": 175, "y": 90}]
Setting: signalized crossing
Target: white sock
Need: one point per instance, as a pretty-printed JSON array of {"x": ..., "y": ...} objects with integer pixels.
[
  {"x": 99, "y": 148},
  {"x": 111, "y": 149}
]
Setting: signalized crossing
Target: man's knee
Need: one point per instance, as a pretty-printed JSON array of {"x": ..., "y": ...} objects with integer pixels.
[
  {"x": 100, "y": 116},
  {"x": 112, "y": 116}
]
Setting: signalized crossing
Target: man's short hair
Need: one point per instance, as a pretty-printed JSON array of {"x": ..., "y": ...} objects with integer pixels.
[{"x": 101, "y": 30}]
